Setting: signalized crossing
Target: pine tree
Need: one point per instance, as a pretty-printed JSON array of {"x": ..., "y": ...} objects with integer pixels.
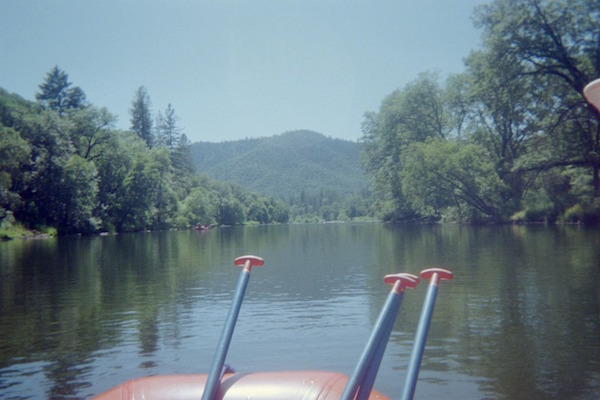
[
  {"x": 167, "y": 130},
  {"x": 181, "y": 156},
  {"x": 56, "y": 94},
  {"x": 141, "y": 116}
]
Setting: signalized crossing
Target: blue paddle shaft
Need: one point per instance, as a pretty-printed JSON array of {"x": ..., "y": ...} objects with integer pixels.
[
  {"x": 214, "y": 375},
  {"x": 377, "y": 341},
  {"x": 414, "y": 364},
  {"x": 369, "y": 380}
]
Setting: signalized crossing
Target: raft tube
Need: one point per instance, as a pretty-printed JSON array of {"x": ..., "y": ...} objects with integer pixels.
[{"x": 283, "y": 385}]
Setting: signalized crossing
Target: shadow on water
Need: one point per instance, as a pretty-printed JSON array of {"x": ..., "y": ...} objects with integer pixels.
[{"x": 521, "y": 318}]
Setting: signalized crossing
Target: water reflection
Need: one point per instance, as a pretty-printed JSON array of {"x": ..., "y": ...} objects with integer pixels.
[{"x": 521, "y": 318}]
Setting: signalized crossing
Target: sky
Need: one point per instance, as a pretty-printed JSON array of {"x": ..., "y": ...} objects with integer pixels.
[{"x": 237, "y": 69}]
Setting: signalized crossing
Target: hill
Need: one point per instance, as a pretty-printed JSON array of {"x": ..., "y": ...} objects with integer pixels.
[{"x": 284, "y": 165}]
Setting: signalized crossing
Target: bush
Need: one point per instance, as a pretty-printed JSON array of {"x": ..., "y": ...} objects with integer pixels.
[{"x": 574, "y": 214}]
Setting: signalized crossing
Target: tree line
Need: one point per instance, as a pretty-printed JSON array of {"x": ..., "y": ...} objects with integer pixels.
[
  {"x": 63, "y": 164},
  {"x": 510, "y": 139}
]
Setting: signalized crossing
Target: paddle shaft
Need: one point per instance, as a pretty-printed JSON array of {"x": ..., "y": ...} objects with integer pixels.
[
  {"x": 376, "y": 343},
  {"x": 369, "y": 380},
  {"x": 414, "y": 364},
  {"x": 214, "y": 375}
]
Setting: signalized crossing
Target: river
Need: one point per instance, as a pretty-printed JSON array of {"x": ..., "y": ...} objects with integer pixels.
[{"x": 520, "y": 319}]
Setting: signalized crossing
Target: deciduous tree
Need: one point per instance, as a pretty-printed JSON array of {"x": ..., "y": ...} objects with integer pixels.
[
  {"x": 438, "y": 174},
  {"x": 91, "y": 131},
  {"x": 14, "y": 155},
  {"x": 556, "y": 42},
  {"x": 410, "y": 115}
]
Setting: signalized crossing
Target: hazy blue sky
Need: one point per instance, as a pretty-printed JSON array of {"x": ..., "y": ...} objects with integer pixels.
[{"x": 237, "y": 69}]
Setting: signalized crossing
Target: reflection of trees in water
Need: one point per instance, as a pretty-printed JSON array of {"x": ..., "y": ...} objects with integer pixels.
[
  {"x": 67, "y": 373},
  {"x": 521, "y": 315},
  {"x": 526, "y": 314},
  {"x": 148, "y": 338},
  {"x": 62, "y": 300}
]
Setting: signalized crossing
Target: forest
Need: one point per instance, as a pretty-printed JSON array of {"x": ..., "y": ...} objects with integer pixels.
[
  {"x": 511, "y": 139},
  {"x": 283, "y": 165},
  {"x": 319, "y": 177},
  {"x": 64, "y": 168}
]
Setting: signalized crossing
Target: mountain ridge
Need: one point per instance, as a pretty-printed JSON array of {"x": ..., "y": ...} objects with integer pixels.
[{"x": 284, "y": 165}]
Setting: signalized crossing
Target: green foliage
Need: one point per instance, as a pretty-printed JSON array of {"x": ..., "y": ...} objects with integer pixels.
[
  {"x": 42, "y": 190},
  {"x": 511, "y": 136},
  {"x": 510, "y": 139},
  {"x": 181, "y": 156},
  {"x": 141, "y": 116},
  {"x": 439, "y": 174},
  {"x": 284, "y": 165},
  {"x": 72, "y": 171},
  {"x": 412, "y": 115},
  {"x": 168, "y": 132},
  {"x": 79, "y": 191},
  {"x": 198, "y": 208},
  {"x": 574, "y": 213},
  {"x": 230, "y": 211},
  {"x": 306, "y": 175},
  {"x": 56, "y": 94},
  {"x": 554, "y": 43},
  {"x": 14, "y": 154},
  {"x": 163, "y": 197},
  {"x": 92, "y": 128}
]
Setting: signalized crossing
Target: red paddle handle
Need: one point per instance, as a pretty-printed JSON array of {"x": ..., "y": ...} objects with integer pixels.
[
  {"x": 248, "y": 262},
  {"x": 436, "y": 274},
  {"x": 401, "y": 281}
]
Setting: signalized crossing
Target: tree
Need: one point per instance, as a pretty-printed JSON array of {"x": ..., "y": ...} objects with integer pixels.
[
  {"x": 56, "y": 94},
  {"x": 181, "y": 156},
  {"x": 170, "y": 135},
  {"x": 92, "y": 128},
  {"x": 41, "y": 189},
  {"x": 411, "y": 115},
  {"x": 167, "y": 131},
  {"x": 257, "y": 210},
  {"x": 14, "y": 155},
  {"x": 230, "y": 211},
  {"x": 78, "y": 197},
  {"x": 439, "y": 174},
  {"x": 137, "y": 201},
  {"x": 506, "y": 109},
  {"x": 113, "y": 167},
  {"x": 141, "y": 116},
  {"x": 164, "y": 199},
  {"x": 556, "y": 43},
  {"x": 198, "y": 208}
]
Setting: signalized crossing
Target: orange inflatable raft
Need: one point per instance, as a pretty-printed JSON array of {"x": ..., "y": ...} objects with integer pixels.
[{"x": 283, "y": 385}]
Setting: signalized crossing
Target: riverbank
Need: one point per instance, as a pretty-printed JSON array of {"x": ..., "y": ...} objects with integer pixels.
[{"x": 17, "y": 231}]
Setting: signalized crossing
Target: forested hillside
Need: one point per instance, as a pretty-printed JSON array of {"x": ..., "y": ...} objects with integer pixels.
[
  {"x": 285, "y": 165},
  {"x": 64, "y": 167}
]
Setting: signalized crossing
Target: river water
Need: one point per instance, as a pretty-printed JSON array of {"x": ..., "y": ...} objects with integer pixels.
[{"x": 520, "y": 319}]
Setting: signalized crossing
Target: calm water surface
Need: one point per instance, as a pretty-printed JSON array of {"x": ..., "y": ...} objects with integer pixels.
[{"x": 520, "y": 320}]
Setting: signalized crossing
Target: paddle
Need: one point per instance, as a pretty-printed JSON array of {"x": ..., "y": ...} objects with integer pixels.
[
  {"x": 435, "y": 275},
  {"x": 591, "y": 91},
  {"x": 368, "y": 364},
  {"x": 215, "y": 374},
  {"x": 367, "y": 384}
]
